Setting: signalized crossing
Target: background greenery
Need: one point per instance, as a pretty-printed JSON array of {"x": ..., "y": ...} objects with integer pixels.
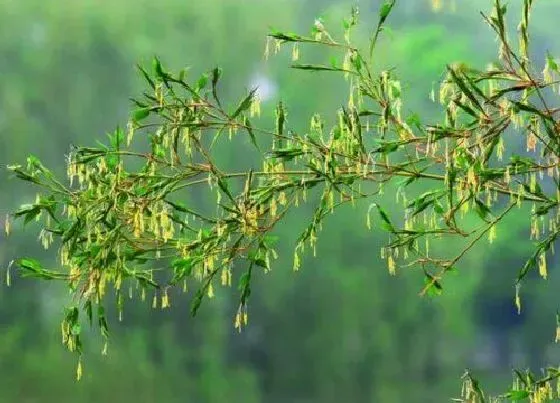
[{"x": 341, "y": 329}]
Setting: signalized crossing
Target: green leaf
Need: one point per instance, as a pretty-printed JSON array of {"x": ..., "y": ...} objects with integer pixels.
[
  {"x": 89, "y": 310},
  {"x": 28, "y": 211},
  {"x": 102, "y": 320},
  {"x": 202, "y": 81},
  {"x": 545, "y": 208},
  {"x": 249, "y": 129},
  {"x": 385, "y": 10},
  {"x": 280, "y": 119},
  {"x": 528, "y": 107},
  {"x": 261, "y": 262},
  {"x": 30, "y": 264},
  {"x": 222, "y": 184},
  {"x": 245, "y": 284},
  {"x": 196, "y": 302},
  {"x": 424, "y": 201},
  {"x": 434, "y": 286},
  {"x": 76, "y": 329},
  {"x": 216, "y": 74},
  {"x": 286, "y": 154},
  {"x": 158, "y": 69},
  {"x": 245, "y": 104},
  {"x": 318, "y": 67},
  {"x": 482, "y": 209},
  {"x": 140, "y": 114},
  {"x": 517, "y": 395},
  {"x": 386, "y": 221},
  {"x": 285, "y": 36},
  {"x": 146, "y": 76},
  {"x": 270, "y": 240},
  {"x": 182, "y": 267},
  {"x": 387, "y": 147},
  {"x": 464, "y": 88},
  {"x": 551, "y": 62}
]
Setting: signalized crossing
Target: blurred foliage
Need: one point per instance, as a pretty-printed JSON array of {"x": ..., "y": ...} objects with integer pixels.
[{"x": 340, "y": 330}]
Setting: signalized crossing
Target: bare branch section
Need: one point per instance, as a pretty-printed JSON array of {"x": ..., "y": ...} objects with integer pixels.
[{"x": 126, "y": 209}]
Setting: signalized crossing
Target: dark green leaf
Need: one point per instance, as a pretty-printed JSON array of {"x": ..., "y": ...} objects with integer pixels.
[
  {"x": 245, "y": 104},
  {"x": 140, "y": 114},
  {"x": 517, "y": 395}
]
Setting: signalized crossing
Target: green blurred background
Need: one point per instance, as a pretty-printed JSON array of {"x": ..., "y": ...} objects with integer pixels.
[{"x": 341, "y": 329}]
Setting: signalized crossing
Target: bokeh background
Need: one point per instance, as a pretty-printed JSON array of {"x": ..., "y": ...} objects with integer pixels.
[{"x": 341, "y": 329}]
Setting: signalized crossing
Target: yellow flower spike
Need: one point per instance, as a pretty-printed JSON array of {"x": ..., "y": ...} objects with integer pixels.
[
  {"x": 533, "y": 182},
  {"x": 255, "y": 108},
  {"x": 531, "y": 142},
  {"x": 507, "y": 176},
  {"x": 267, "y": 49},
  {"x": 517, "y": 298},
  {"x": 8, "y": 274},
  {"x": 433, "y": 94},
  {"x": 79, "y": 369},
  {"x": 154, "y": 301},
  {"x": 297, "y": 261},
  {"x": 165, "y": 300},
  {"x": 63, "y": 332},
  {"x": 331, "y": 200},
  {"x": 70, "y": 344},
  {"x": 521, "y": 194},
  {"x": 295, "y": 52},
  {"x": 273, "y": 207},
  {"x": 282, "y": 200},
  {"x": 542, "y": 265},
  {"x": 237, "y": 322},
  {"x": 105, "y": 346},
  {"x": 346, "y": 64},
  {"x": 225, "y": 277},
  {"x": 210, "y": 291},
  {"x": 7, "y": 225},
  {"x": 492, "y": 234},
  {"x": 500, "y": 149},
  {"x": 391, "y": 264}
]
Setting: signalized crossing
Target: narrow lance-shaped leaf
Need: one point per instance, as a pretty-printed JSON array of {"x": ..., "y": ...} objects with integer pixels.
[
  {"x": 216, "y": 74},
  {"x": 384, "y": 12},
  {"x": 464, "y": 88},
  {"x": 285, "y": 36},
  {"x": 146, "y": 76},
  {"x": 319, "y": 67},
  {"x": 245, "y": 104}
]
